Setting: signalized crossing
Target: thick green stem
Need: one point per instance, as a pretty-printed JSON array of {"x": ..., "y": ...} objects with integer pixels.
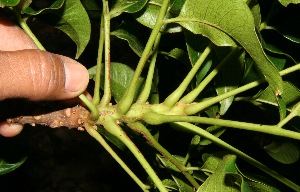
[
  {"x": 96, "y": 96},
  {"x": 106, "y": 146},
  {"x": 153, "y": 118},
  {"x": 175, "y": 96},
  {"x": 147, "y": 88},
  {"x": 140, "y": 128},
  {"x": 126, "y": 101},
  {"x": 190, "y": 97},
  {"x": 94, "y": 110},
  {"x": 111, "y": 126},
  {"x": 107, "y": 86},
  {"x": 197, "y": 130}
]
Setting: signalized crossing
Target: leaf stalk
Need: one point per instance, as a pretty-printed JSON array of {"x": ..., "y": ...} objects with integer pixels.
[{"x": 126, "y": 101}]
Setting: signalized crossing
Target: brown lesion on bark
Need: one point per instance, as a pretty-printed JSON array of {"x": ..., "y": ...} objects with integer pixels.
[{"x": 74, "y": 117}]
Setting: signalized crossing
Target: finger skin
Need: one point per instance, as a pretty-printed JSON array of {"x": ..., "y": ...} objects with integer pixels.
[
  {"x": 33, "y": 74},
  {"x": 10, "y": 130},
  {"x": 39, "y": 75},
  {"x": 13, "y": 37}
]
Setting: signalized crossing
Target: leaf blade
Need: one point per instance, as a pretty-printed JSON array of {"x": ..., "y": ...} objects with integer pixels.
[{"x": 222, "y": 20}]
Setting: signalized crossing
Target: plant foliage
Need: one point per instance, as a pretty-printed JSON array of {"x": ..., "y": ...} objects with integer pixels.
[{"x": 221, "y": 57}]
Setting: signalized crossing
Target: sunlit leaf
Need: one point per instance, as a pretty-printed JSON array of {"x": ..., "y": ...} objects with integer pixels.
[
  {"x": 6, "y": 167},
  {"x": 222, "y": 178},
  {"x": 283, "y": 151},
  {"x": 129, "y": 6},
  {"x": 222, "y": 20},
  {"x": 9, "y": 3},
  {"x": 170, "y": 184},
  {"x": 55, "y": 5},
  {"x": 73, "y": 20},
  {"x": 287, "y": 2},
  {"x": 149, "y": 14}
]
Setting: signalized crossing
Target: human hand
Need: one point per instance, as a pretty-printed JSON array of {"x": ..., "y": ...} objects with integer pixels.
[{"x": 26, "y": 72}]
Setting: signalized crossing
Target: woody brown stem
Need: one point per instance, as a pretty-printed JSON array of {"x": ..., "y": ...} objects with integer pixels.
[{"x": 74, "y": 117}]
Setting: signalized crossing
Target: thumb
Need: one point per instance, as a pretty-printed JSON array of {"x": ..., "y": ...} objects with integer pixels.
[{"x": 40, "y": 75}]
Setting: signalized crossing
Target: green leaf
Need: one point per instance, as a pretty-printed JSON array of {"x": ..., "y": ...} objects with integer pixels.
[
  {"x": 224, "y": 178},
  {"x": 55, "y": 5},
  {"x": 226, "y": 81},
  {"x": 128, "y": 33},
  {"x": 287, "y": 2},
  {"x": 195, "y": 46},
  {"x": 93, "y": 8},
  {"x": 6, "y": 167},
  {"x": 170, "y": 184},
  {"x": 149, "y": 14},
  {"x": 175, "y": 6},
  {"x": 129, "y": 6},
  {"x": 257, "y": 183},
  {"x": 121, "y": 76},
  {"x": 9, "y": 3},
  {"x": 217, "y": 131},
  {"x": 281, "y": 107},
  {"x": 178, "y": 54},
  {"x": 251, "y": 73},
  {"x": 180, "y": 180},
  {"x": 255, "y": 9},
  {"x": 290, "y": 96},
  {"x": 113, "y": 139},
  {"x": 73, "y": 20},
  {"x": 283, "y": 151},
  {"x": 219, "y": 20}
]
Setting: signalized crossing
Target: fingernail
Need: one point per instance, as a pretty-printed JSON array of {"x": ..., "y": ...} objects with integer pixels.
[{"x": 77, "y": 76}]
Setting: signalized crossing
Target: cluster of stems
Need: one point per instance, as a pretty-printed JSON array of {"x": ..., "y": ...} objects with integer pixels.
[{"x": 179, "y": 109}]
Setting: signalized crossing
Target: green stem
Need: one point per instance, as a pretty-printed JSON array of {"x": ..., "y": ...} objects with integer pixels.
[
  {"x": 140, "y": 128},
  {"x": 107, "y": 86},
  {"x": 292, "y": 114},
  {"x": 195, "y": 108},
  {"x": 28, "y": 31},
  {"x": 147, "y": 88},
  {"x": 153, "y": 118},
  {"x": 112, "y": 127},
  {"x": 175, "y": 96},
  {"x": 126, "y": 101},
  {"x": 197, "y": 130},
  {"x": 96, "y": 97},
  {"x": 104, "y": 144},
  {"x": 94, "y": 110},
  {"x": 204, "y": 104},
  {"x": 190, "y": 97}
]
